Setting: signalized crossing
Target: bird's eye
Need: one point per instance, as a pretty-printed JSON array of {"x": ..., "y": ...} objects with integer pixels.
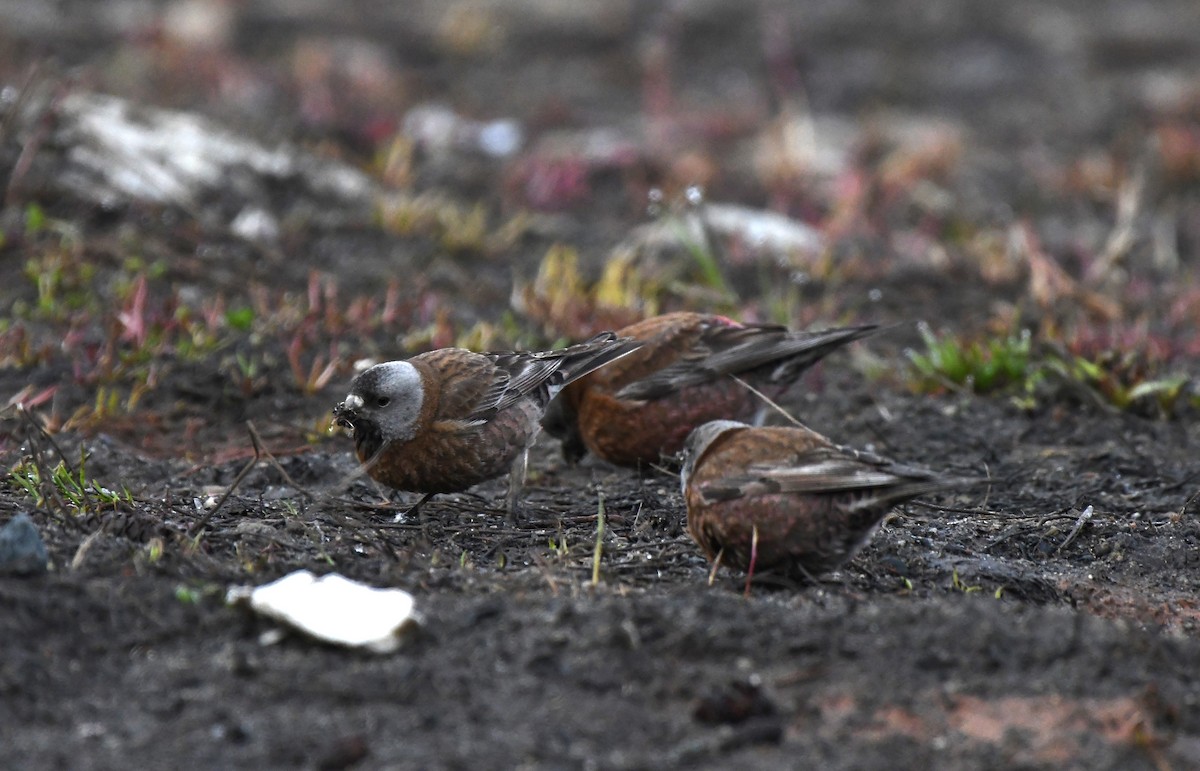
[{"x": 383, "y": 401}]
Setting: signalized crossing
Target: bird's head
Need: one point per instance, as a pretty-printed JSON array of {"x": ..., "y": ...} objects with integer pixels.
[
  {"x": 384, "y": 400},
  {"x": 697, "y": 442}
]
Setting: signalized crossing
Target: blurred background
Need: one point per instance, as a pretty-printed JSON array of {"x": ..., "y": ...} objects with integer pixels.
[{"x": 329, "y": 182}]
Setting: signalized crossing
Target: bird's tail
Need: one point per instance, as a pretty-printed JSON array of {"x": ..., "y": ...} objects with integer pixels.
[
  {"x": 545, "y": 373},
  {"x": 803, "y": 349},
  {"x": 908, "y": 487},
  {"x": 587, "y": 357}
]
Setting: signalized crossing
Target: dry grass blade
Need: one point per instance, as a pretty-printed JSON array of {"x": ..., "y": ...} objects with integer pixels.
[
  {"x": 195, "y": 530},
  {"x": 599, "y": 548},
  {"x": 770, "y": 402},
  {"x": 1084, "y": 517}
]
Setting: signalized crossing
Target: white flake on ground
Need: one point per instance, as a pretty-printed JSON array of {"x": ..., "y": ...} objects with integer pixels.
[
  {"x": 334, "y": 609},
  {"x": 173, "y": 157}
]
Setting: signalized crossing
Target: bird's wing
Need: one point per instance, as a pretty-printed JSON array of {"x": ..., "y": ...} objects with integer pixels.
[
  {"x": 467, "y": 383},
  {"x": 821, "y": 471},
  {"x": 524, "y": 373},
  {"x": 544, "y": 373},
  {"x": 724, "y": 350}
]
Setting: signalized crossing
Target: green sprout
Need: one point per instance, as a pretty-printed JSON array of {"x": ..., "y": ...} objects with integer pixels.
[
  {"x": 1122, "y": 375},
  {"x": 35, "y": 219},
  {"x": 27, "y": 477},
  {"x": 701, "y": 253},
  {"x": 981, "y": 367},
  {"x": 187, "y": 595},
  {"x": 960, "y": 585},
  {"x": 74, "y": 488},
  {"x": 240, "y": 319},
  {"x": 1118, "y": 381},
  {"x": 463, "y": 231}
]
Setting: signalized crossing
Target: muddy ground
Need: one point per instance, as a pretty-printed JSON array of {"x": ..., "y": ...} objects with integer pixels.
[{"x": 985, "y": 168}]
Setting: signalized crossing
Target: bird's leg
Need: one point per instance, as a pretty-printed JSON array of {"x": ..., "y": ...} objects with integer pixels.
[
  {"x": 807, "y": 575},
  {"x": 753, "y": 558},
  {"x": 415, "y": 509},
  {"x": 516, "y": 481},
  {"x": 712, "y": 574}
]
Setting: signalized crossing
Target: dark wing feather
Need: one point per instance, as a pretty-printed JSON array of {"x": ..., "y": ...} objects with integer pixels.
[
  {"x": 542, "y": 374},
  {"x": 499, "y": 394},
  {"x": 724, "y": 350},
  {"x": 827, "y": 471},
  {"x": 524, "y": 374}
]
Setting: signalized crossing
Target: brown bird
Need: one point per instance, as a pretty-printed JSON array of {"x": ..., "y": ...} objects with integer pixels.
[
  {"x": 449, "y": 419},
  {"x": 641, "y": 410},
  {"x": 789, "y": 499}
]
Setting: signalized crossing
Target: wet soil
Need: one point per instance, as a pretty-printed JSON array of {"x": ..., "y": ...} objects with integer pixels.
[{"x": 1001, "y": 627}]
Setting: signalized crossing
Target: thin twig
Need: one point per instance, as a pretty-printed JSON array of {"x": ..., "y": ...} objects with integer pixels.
[
  {"x": 770, "y": 402},
  {"x": 260, "y": 453},
  {"x": 84, "y": 548},
  {"x": 544, "y": 567},
  {"x": 17, "y": 107},
  {"x": 260, "y": 448},
  {"x": 599, "y": 548},
  {"x": 41, "y": 129},
  {"x": 977, "y": 510},
  {"x": 1121, "y": 238},
  {"x": 46, "y": 435},
  {"x": 1187, "y": 504},
  {"x": 1084, "y": 517},
  {"x": 195, "y": 529}
]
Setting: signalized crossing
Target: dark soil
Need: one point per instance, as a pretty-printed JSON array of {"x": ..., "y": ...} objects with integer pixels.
[{"x": 995, "y": 628}]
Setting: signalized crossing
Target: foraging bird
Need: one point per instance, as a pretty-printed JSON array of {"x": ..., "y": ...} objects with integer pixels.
[
  {"x": 787, "y": 498},
  {"x": 641, "y": 409},
  {"x": 449, "y": 419}
]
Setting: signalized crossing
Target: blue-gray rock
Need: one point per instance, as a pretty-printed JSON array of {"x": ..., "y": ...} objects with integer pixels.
[{"x": 21, "y": 549}]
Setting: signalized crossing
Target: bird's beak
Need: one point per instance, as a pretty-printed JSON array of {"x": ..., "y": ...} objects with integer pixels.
[{"x": 346, "y": 411}]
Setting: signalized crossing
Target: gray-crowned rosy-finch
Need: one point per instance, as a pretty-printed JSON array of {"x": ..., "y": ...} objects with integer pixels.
[
  {"x": 446, "y": 420},
  {"x": 642, "y": 408},
  {"x": 788, "y": 499}
]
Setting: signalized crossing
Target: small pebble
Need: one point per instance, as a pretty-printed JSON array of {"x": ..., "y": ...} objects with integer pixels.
[{"x": 21, "y": 549}]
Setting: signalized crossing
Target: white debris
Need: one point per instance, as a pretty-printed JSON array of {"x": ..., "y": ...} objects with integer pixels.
[
  {"x": 201, "y": 23},
  {"x": 597, "y": 148},
  {"x": 764, "y": 230},
  {"x": 440, "y": 131},
  {"x": 174, "y": 157},
  {"x": 334, "y": 609},
  {"x": 501, "y": 138},
  {"x": 764, "y": 233},
  {"x": 256, "y": 224}
]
